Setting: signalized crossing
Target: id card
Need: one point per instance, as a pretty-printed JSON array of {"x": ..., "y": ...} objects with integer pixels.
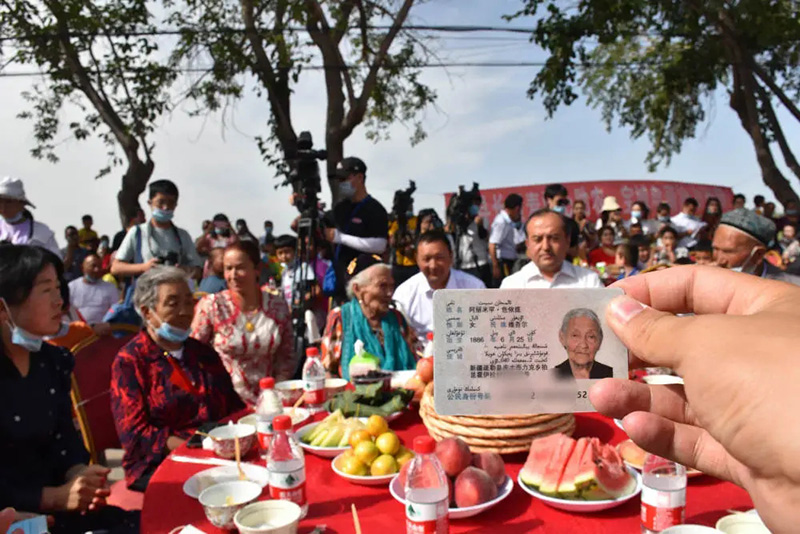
[
  {"x": 522, "y": 351},
  {"x": 34, "y": 525}
]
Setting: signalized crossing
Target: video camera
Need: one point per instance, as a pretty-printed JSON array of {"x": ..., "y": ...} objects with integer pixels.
[
  {"x": 458, "y": 207},
  {"x": 403, "y": 201},
  {"x": 304, "y": 174}
]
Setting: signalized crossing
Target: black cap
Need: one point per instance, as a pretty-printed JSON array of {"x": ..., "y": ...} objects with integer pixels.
[
  {"x": 360, "y": 263},
  {"x": 349, "y": 166}
]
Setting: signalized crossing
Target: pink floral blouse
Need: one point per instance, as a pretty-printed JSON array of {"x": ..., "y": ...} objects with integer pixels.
[{"x": 252, "y": 345}]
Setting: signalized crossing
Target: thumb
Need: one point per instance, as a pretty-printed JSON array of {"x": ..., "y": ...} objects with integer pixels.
[{"x": 651, "y": 335}]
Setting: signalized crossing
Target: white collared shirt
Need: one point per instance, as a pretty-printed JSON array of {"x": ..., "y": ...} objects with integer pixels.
[
  {"x": 415, "y": 297},
  {"x": 686, "y": 223},
  {"x": 505, "y": 236},
  {"x": 530, "y": 277}
]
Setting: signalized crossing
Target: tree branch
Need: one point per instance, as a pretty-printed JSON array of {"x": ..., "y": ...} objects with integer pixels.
[
  {"x": 328, "y": 44},
  {"x": 769, "y": 111},
  {"x": 770, "y": 82},
  {"x": 356, "y": 113}
]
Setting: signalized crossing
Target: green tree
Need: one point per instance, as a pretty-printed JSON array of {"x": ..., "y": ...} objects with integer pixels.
[
  {"x": 371, "y": 64},
  {"x": 98, "y": 58},
  {"x": 652, "y": 66}
]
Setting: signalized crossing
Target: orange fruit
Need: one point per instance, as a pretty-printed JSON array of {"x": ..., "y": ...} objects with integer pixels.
[
  {"x": 388, "y": 443},
  {"x": 377, "y": 425},
  {"x": 358, "y": 436},
  {"x": 383, "y": 465}
]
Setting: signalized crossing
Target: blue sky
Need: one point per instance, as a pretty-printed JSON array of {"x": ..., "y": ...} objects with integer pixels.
[{"x": 485, "y": 130}]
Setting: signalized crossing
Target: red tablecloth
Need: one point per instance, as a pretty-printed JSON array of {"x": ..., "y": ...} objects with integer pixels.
[{"x": 330, "y": 497}]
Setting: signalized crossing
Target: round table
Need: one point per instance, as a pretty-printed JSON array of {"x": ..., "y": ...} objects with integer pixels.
[{"x": 330, "y": 497}]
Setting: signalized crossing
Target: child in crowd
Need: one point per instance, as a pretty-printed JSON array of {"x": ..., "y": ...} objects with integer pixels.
[
  {"x": 312, "y": 273},
  {"x": 703, "y": 253},
  {"x": 665, "y": 251},
  {"x": 215, "y": 281},
  {"x": 645, "y": 248},
  {"x": 790, "y": 247},
  {"x": 627, "y": 260}
]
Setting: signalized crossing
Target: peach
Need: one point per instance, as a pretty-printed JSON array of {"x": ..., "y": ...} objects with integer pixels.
[
  {"x": 493, "y": 464},
  {"x": 425, "y": 369},
  {"x": 454, "y": 455},
  {"x": 474, "y": 486}
]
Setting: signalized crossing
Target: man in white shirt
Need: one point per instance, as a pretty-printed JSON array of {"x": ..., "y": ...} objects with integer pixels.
[
  {"x": 16, "y": 222},
  {"x": 687, "y": 223},
  {"x": 505, "y": 236},
  {"x": 89, "y": 294},
  {"x": 415, "y": 295},
  {"x": 547, "y": 244}
]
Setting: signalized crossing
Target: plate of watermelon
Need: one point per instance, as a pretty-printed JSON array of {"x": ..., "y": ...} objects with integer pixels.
[{"x": 581, "y": 475}]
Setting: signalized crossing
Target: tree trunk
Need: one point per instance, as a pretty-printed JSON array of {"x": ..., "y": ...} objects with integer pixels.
[
  {"x": 335, "y": 146},
  {"x": 134, "y": 182}
]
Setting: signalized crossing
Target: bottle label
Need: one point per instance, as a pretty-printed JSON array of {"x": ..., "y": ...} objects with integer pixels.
[
  {"x": 662, "y": 509},
  {"x": 314, "y": 391},
  {"x": 288, "y": 486},
  {"x": 427, "y": 518}
]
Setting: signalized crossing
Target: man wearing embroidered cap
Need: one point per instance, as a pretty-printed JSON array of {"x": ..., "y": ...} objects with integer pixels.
[
  {"x": 358, "y": 223},
  {"x": 742, "y": 240},
  {"x": 17, "y": 225}
]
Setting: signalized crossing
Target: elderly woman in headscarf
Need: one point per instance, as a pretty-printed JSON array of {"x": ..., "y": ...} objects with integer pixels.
[
  {"x": 370, "y": 317},
  {"x": 164, "y": 384}
]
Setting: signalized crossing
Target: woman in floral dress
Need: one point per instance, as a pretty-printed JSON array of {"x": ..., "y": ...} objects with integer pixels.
[{"x": 249, "y": 326}]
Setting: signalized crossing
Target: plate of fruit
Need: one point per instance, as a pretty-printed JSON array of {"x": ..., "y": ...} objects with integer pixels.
[
  {"x": 331, "y": 436},
  {"x": 581, "y": 475},
  {"x": 476, "y": 481},
  {"x": 374, "y": 457}
]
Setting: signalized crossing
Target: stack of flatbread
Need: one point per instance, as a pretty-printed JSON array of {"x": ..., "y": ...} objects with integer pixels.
[{"x": 491, "y": 433}]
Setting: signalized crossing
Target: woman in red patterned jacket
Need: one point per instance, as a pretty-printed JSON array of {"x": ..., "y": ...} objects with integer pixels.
[{"x": 165, "y": 384}]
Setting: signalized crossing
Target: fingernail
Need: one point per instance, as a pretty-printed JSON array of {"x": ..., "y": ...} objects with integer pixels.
[{"x": 625, "y": 308}]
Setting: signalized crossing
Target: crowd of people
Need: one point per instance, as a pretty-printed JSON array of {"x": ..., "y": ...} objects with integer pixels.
[{"x": 217, "y": 312}]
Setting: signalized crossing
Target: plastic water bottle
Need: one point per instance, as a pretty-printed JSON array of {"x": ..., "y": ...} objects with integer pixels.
[
  {"x": 428, "y": 351},
  {"x": 286, "y": 465},
  {"x": 426, "y": 491},
  {"x": 314, "y": 381},
  {"x": 663, "y": 494},
  {"x": 268, "y": 407}
]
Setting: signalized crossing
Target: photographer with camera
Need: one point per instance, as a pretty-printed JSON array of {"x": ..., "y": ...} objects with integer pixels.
[
  {"x": 158, "y": 241},
  {"x": 358, "y": 223},
  {"x": 469, "y": 235},
  {"x": 401, "y": 235}
]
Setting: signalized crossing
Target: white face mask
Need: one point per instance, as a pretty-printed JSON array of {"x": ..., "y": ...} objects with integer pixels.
[{"x": 745, "y": 267}]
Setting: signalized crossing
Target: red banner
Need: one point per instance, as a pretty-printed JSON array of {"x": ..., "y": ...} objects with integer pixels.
[{"x": 593, "y": 193}]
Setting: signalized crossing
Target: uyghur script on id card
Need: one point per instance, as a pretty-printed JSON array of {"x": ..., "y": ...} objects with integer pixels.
[{"x": 522, "y": 351}]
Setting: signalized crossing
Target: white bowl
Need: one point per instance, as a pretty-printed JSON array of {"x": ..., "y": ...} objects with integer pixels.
[
  {"x": 324, "y": 452},
  {"x": 334, "y": 386},
  {"x": 289, "y": 391},
  {"x": 570, "y": 505},
  {"x": 364, "y": 481},
  {"x": 268, "y": 517},
  {"x": 460, "y": 513},
  {"x": 225, "y": 444},
  {"x": 662, "y": 380},
  {"x": 744, "y": 523},
  {"x": 203, "y": 480},
  {"x": 690, "y": 529},
  {"x": 222, "y": 501}
]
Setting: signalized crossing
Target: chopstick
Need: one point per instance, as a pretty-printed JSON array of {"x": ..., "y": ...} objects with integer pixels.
[
  {"x": 207, "y": 435},
  {"x": 355, "y": 519},
  {"x": 296, "y": 404},
  {"x": 203, "y": 461},
  {"x": 238, "y": 451}
]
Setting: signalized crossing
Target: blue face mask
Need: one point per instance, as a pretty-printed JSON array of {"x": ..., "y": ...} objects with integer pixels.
[
  {"x": 636, "y": 214},
  {"x": 409, "y": 214},
  {"x": 518, "y": 225},
  {"x": 346, "y": 189},
  {"x": 474, "y": 210},
  {"x": 163, "y": 216},
  {"x": 268, "y": 230},
  {"x": 90, "y": 279},
  {"x": 16, "y": 219},
  {"x": 560, "y": 209},
  {"x": 664, "y": 218},
  {"x": 170, "y": 333},
  {"x": 20, "y": 337}
]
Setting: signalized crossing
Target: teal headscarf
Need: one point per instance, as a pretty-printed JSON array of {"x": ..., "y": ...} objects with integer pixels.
[{"x": 395, "y": 354}]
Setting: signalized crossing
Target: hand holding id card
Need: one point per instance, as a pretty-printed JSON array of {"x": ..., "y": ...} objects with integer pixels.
[{"x": 522, "y": 351}]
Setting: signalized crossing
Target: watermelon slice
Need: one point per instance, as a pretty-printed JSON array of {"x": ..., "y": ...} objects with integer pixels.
[
  {"x": 602, "y": 473},
  {"x": 567, "y": 488},
  {"x": 555, "y": 467},
  {"x": 541, "y": 451}
]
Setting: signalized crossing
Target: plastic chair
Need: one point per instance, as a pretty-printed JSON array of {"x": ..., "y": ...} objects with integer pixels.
[{"x": 91, "y": 389}]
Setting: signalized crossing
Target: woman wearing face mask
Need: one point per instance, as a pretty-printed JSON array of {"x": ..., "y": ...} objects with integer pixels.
[
  {"x": 249, "y": 326},
  {"x": 641, "y": 213},
  {"x": 611, "y": 216},
  {"x": 711, "y": 216},
  {"x": 368, "y": 316},
  {"x": 165, "y": 384},
  {"x": 43, "y": 461}
]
